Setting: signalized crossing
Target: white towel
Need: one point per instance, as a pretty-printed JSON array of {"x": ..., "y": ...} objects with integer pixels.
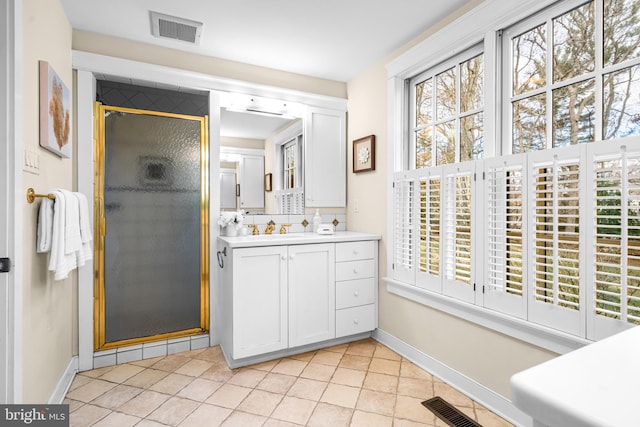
[
  {"x": 45, "y": 226},
  {"x": 86, "y": 235},
  {"x": 72, "y": 239},
  {"x": 60, "y": 262}
]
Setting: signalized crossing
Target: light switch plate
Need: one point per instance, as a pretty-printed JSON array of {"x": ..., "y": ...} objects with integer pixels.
[{"x": 31, "y": 161}]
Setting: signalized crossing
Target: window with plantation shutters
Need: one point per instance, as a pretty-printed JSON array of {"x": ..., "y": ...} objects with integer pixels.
[
  {"x": 555, "y": 259},
  {"x": 290, "y": 201},
  {"x": 457, "y": 222},
  {"x": 504, "y": 240},
  {"x": 616, "y": 236},
  {"x": 403, "y": 233},
  {"x": 429, "y": 229}
]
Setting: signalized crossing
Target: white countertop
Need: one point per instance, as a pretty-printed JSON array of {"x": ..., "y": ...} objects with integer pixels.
[
  {"x": 597, "y": 385},
  {"x": 296, "y": 239}
]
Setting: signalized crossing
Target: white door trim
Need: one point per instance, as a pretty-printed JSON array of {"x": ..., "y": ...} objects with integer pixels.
[{"x": 10, "y": 200}]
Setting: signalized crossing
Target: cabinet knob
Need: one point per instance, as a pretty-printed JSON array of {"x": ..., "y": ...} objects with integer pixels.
[
  {"x": 283, "y": 257},
  {"x": 291, "y": 257},
  {"x": 355, "y": 294},
  {"x": 355, "y": 271},
  {"x": 355, "y": 252},
  {"x": 356, "y": 321}
]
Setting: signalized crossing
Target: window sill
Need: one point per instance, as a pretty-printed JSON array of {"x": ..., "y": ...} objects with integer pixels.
[{"x": 540, "y": 336}]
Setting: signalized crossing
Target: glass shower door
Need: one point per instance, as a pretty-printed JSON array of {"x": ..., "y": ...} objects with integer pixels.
[{"x": 152, "y": 223}]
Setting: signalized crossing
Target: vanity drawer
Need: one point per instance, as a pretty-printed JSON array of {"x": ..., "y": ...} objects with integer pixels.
[
  {"x": 355, "y": 269},
  {"x": 352, "y": 293},
  {"x": 350, "y": 251},
  {"x": 355, "y": 320}
]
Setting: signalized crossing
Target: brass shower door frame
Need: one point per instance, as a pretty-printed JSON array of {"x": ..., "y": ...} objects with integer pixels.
[{"x": 100, "y": 228}]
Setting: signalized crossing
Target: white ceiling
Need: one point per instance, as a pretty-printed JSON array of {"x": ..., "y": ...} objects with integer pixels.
[{"x": 331, "y": 39}]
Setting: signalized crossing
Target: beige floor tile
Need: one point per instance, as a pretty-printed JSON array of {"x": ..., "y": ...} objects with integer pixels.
[
  {"x": 327, "y": 358},
  {"x": 362, "y": 348},
  {"x": 315, "y": 371},
  {"x": 265, "y": 366},
  {"x": 408, "y": 369},
  {"x": 272, "y": 422},
  {"x": 173, "y": 411},
  {"x": 121, "y": 373},
  {"x": 87, "y": 415},
  {"x": 451, "y": 395},
  {"x": 79, "y": 380},
  {"x": 376, "y": 402},
  {"x": 489, "y": 419},
  {"x": 341, "y": 395},
  {"x": 200, "y": 389},
  {"x": 385, "y": 366},
  {"x": 144, "y": 403},
  {"x": 289, "y": 367},
  {"x": 382, "y": 352},
  {"x": 326, "y": 415},
  {"x": 367, "y": 419},
  {"x": 242, "y": 419},
  {"x": 149, "y": 423},
  {"x": 95, "y": 373},
  {"x": 170, "y": 363},
  {"x": 211, "y": 354},
  {"x": 305, "y": 388},
  {"x": 172, "y": 383},
  {"x": 350, "y": 377},
  {"x": 399, "y": 422},
  {"x": 381, "y": 382},
  {"x": 247, "y": 377},
  {"x": 415, "y": 387},
  {"x": 116, "y": 397},
  {"x": 354, "y": 361},
  {"x": 277, "y": 383},
  {"x": 218, "y": 372},
  {"x": 340, "y": 348},
  {"x": 74, "y": 405},
  {"x": 410, "y": 408},
  {"x": 229, "y": 396},
  {"x": 303, "y": 357},
  {"x": 91, "y": 390},
  {"x": 145, "y": 363},
  {"x": 117, "y": 419},
  {"x": 260, "y": 402},
  {"x": 294, "y": 410},
  {"x": 194, "y": 368},
  {"x": 206, "y": 416},
  {"x": 146, "y": 378}
]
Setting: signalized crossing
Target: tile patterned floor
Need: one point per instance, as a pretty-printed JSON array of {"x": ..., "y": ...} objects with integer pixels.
[{"x": 358, "y": 384}]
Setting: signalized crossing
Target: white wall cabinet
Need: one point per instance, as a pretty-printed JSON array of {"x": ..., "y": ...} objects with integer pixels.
[
  {"x": 251, "y": 182},
  {"x": 325, "y": 158}
]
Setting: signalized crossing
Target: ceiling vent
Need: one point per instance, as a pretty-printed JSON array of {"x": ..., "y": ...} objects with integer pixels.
[{"x": 172, "y": 27}]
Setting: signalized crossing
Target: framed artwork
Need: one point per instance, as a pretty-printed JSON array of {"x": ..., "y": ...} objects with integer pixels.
[
  {"x": 55, "y": 112},
  {"x": 267, "y": 182},
  {"x": 364, "y": 154}
]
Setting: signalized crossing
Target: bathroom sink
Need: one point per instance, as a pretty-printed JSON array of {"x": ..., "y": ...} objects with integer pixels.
[{"x": 269, "y": 237}]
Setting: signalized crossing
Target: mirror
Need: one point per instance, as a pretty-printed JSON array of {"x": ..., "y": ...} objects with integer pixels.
[{"x": 244, "y": 137}]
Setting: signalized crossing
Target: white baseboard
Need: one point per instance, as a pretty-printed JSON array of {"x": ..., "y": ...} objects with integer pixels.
[
  {"x": 64, "y": 382},
  {"x": 476, "y": 391}
]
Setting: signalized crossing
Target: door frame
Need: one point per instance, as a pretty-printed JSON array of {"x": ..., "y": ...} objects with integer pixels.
[{"x": 10, "y": 201}]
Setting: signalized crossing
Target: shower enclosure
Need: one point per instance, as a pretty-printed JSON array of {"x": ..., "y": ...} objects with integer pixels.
[{"x": 152, "y": 231}]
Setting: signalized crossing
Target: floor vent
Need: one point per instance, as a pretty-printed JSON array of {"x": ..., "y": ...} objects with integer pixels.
[{"x": 448, "y": 413}]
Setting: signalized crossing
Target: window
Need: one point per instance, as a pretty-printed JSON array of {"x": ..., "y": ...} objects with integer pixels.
[
  {"x": 291, "y": 164},
  {"x": 573, "y": 75},
  {"x": 548, "y": 233},
  {"x": 289, "y": 192},
  {"x": 448, "y": 121}
]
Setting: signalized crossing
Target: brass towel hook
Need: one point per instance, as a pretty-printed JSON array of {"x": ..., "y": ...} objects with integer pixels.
[{"x": 31, "y": 195}]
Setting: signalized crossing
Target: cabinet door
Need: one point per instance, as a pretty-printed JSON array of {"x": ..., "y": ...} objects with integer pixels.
[
  {"x": 228, "y": 189},
  {"x": 325, "y": 176},
  {"x": 252, "y": 182},
  {"x": 311, "y": 293},
  {"x": 259, "y": 300}
]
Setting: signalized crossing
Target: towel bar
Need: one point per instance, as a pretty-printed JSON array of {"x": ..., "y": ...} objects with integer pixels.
[{"x": 31, "y": 195}]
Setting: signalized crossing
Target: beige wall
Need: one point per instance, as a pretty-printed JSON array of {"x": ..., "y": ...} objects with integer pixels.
[
  {"x": 487, "y": 357},
  {"x": 49, "y": 341},
  {"x": 256, "y": 144}
]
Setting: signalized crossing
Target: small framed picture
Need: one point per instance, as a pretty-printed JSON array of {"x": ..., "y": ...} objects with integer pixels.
[
  {"x": 364, "y": 154},
  {"x": 55, "y": 112},
  {"x": 267, "y": 182}
]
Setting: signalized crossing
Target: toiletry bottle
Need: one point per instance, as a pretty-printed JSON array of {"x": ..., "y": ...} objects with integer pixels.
[{"x": 316, "y": 220}]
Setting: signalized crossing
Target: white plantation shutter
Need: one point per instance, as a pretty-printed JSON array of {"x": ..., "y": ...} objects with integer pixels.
[
  {"x": 290, "y": 201},
  {"x": 404, "y": 230},
  {"x": 615, "y": 195},
  {"x": 429, "y": 229},
  {"x": 556, "y": 297},
  {"x": 504, "y": 235},
  {"x": 457, "y": 230}
]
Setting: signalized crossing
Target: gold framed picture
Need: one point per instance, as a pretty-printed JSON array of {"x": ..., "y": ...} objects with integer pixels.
[
  {"x": 364, "y": 154},
  {"x": 55, "y": 112}
]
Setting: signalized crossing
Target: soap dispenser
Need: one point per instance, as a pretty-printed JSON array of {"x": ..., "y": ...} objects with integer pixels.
[{"x": 317, "y": 219}]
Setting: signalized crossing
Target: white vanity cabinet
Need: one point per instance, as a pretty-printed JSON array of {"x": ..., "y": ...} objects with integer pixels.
[
  {"x": 251, "y": 182},
  {"x": 356, "y": 285}
]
